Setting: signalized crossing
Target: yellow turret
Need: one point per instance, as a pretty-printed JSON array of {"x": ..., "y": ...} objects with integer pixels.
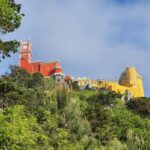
[{"x": 130, "y": 78}]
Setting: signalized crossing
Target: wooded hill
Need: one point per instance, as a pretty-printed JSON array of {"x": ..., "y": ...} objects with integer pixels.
[{"x": 36, "y": 113}]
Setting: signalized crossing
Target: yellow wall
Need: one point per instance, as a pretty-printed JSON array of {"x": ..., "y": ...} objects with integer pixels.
[{"x": 129, "y": 80}]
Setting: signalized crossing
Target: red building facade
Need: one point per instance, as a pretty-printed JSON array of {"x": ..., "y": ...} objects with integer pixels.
[{"x": 47, "y": 69}]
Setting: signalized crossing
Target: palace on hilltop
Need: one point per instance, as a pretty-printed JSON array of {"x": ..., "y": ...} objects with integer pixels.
[{"x": 130, "y": 81}]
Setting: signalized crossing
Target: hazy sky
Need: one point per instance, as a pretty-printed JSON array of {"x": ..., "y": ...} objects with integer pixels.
[{"x": 92, "y": 38}]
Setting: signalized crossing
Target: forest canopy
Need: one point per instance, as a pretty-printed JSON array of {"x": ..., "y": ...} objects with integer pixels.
[{"x": 37, "y": 113}]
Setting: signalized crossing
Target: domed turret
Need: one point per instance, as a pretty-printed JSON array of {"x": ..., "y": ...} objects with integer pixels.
[{"x": 130, "y": 78}]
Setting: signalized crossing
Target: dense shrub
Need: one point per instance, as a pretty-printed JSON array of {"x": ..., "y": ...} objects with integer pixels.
[{"x": 140, "y": 106}]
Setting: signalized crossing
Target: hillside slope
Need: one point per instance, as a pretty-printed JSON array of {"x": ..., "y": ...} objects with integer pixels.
[{"x": 38, "y": 114}]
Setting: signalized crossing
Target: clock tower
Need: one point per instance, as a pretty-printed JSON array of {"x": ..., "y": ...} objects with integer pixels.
[{"x": 25, "y": 55}]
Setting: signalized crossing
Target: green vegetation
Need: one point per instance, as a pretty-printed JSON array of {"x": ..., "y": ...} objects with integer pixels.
[
  {"x": 10, "y": 19},
  {"x": 140, "y": 106},
  {"x": 37, "y": 114}
]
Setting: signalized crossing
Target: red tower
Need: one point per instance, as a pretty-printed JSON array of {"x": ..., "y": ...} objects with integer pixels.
[
  {"x": 26, "y": 55},
  {"x": 47, "y": 69}
]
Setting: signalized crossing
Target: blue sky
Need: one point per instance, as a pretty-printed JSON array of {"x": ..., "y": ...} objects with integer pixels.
[{"x": 97, "y": 38}]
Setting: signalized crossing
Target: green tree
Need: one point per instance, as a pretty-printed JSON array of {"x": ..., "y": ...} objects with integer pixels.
[
  {"x": 140, "y": 106},
  {"x": 10, "y": 19},
  {"x": 100, "y": 118},
  {"x": 37, "y": 80},
  {"x": 125, "y": 121},
  {"x": 10, "y": 94},
  {"x": 105, "y": 98},
  {"x": 19, "y": 75},
  {"x": 18, "y": 130}
]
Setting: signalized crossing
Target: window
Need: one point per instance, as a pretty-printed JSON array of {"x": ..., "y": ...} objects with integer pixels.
[{"x": 24, "y": 47}]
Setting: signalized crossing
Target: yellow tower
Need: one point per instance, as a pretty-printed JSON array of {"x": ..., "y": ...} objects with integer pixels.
[{"x": 130, "y": 78}]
